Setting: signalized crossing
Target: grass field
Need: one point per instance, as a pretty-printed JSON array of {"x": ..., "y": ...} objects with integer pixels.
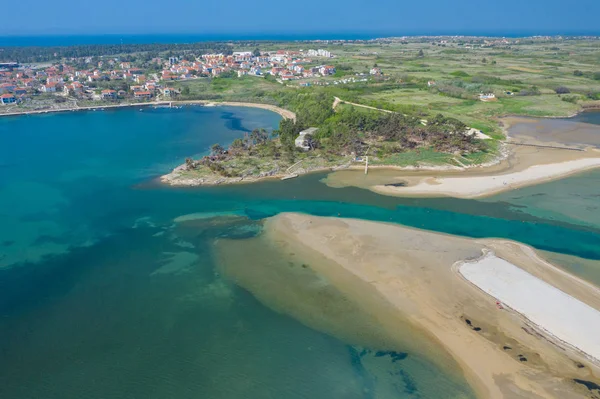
[{"x": 460, "y": 70}]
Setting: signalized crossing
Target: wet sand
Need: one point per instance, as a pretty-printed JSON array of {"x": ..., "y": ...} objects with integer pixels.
[
  {"x": 500, "y": 352},
  {"x": 552, "y": 132}
]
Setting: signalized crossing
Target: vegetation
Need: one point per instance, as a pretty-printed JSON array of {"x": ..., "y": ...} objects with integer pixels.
[{"x": 528, "y": 76}]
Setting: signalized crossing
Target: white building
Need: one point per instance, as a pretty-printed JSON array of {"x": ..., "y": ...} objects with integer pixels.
[
  {"x": 299, "y": 142},
  {"x": 319, "y": 53}
]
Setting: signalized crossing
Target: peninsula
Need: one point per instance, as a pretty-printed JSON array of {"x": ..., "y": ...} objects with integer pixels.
[{"x": 410, "y": 105}]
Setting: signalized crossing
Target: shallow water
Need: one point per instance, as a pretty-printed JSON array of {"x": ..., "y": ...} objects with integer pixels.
[
  {"x": 582, "y": 130},
  {"x": 104, "y": 294}
]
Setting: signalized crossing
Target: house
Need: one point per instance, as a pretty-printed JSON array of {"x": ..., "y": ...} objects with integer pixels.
[
  {"x": 7, "y": 87},
  {"x": 299, "y": 142},
  {"x": 431, "y": 83},
  {"x": 169, "y": 92},
  {"x": 487, "y": 97},
  {"x": 74, "y": 88},
  {"x": 375, "y": 71},
  {"x": 125, "y": 65},
  {"x": 19, "y": 91},
  {"x": 142, "y": 95},
  {"x": 6, "y": 99},
  {"x": 327, "y": 70},
  {"x": 109, "y": 94},
  {"x": 49, "y": 88}
]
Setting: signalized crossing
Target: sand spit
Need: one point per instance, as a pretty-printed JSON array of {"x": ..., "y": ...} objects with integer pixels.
[
  {"x": 564, "y": 317},
  {"x": 481, "y": 186},
  {"x": 502, "y": 353},
  {"x": 519, "y": 166}
]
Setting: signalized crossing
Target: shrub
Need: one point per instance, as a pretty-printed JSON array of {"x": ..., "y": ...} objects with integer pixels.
[
  {"x": 577, "y": 72},
  {"x": 460, "y": 74},
  {"x": 562, "y": 90},
  {"x": 570, "y": 99},
  {"x": 532, "y": 91}
]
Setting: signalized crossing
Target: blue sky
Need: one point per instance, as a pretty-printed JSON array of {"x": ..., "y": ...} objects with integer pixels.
[{"x": 250, "y": 17}]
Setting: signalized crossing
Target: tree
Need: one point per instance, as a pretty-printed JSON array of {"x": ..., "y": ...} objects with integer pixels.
[
  {"x": 596, "y": 76},
  {"x": 217, "y": 149},
  {"x": 185, "y": 91},
  {"x": 484, "y": 61},
  {"x": 311, "y": 142},
  {"x": 259, "y": 136},
  {"x": 256, "y": 52},
  {"x": 421, "y": 54},
  {"x": 189, "y": 163},
  {"x": 577, "y": 72},
  {"x": 562, "y": 90}
]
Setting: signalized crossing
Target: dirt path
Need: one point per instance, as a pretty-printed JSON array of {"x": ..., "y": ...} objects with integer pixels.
[{"x": 339, "y": 101}]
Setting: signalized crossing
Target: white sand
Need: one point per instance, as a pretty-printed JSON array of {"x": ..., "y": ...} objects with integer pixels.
[
  {"x": 558, "y": 313},
  {"x": 478, "y": 186}
]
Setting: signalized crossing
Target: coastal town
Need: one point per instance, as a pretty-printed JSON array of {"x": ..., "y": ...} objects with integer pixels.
[{"x": 111, "y": 79}]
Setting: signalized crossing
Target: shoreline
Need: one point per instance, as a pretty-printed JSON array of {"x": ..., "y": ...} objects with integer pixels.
[
  {"x": 469, "y": 187},
  {"x": 501, "y": 352},
  {"x": 282, "y": 112}
]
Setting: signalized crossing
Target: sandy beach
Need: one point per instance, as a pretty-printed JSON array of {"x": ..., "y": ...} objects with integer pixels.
[
  {"x": 502, "y": 353},
  {"x": 481, "y": 186},
  {"x": 283, "y": 112},
  {"x": 562, "y": 316},
  {"x": 520, "y": 166}
]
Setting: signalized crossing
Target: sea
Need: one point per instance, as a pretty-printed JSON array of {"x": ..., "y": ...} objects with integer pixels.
[
  {"x": 22, "y": 40},
  {"x": 111, "y": 287}
]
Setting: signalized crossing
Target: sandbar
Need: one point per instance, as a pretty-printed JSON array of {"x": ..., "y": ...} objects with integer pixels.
[
  {"x": 502, "y": 353},
  {"x": 481, "y": 186}
]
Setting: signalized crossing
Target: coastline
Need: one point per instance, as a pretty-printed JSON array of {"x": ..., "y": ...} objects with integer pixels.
[
  {"x": 283, "y": 112},
  {"x": 502, "y": 353},
  {"x": 491, "y": 184}
]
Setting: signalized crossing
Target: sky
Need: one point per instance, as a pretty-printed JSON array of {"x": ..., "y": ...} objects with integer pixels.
[{"x": 260, "y": 17}]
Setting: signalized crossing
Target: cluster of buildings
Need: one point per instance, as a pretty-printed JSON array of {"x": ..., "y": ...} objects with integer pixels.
[
  {"x": 111, "y": 79},
  {"x": 22, "y": 84},
  {"x": 283, "y": 64}
]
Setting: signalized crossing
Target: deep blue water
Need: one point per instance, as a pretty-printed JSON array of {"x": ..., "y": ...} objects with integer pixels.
[
  {"x": 184, "y": 38},
  {"x": 104, "y": 293}
]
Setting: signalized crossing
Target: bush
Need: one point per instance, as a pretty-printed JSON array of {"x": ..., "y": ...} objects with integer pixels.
[
  {"x": 532, "y": 91},
  {"x": 596, "y": 76},
  {"x": 562, "y": 90},
  {"x": 577, "y": 72},
  {"x": 460, "y": 74},
  {"x": 570, "y": 99},
  {"x": 593, "y": 95}
]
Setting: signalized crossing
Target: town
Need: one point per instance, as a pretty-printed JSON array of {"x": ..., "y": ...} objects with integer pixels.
[{"x": 112, "y": 79}]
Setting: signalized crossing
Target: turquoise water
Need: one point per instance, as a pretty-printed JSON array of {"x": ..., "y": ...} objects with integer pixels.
[{"x": 103, "y": 294}]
